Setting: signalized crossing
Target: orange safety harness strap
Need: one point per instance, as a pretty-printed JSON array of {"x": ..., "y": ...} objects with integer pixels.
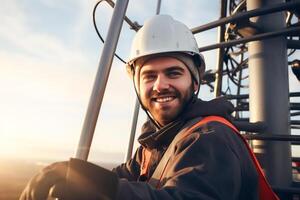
[
  {"x": 265, "y": 190},
  {"x": 145, "y": 162}
]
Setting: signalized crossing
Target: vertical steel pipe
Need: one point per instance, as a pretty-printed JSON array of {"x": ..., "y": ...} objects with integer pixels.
[
  {"x": 136, "y": 110},
  {"x": 269, "y": 94},
  {"x": 158, "y": 7},
  {"x": 101, "y": 79},
  {"x": 133, "y": 130},
  {"x": 220, "y": 51}
]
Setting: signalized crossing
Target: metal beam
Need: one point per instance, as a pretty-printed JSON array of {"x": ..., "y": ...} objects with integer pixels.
[
  {"x": 271, "y": 34},
  {"x": 269, "y": 93},
  {"x": 136, "y": 111},
  {"x": 293, "y": 44},
  {"x": 101, "y": 79},
  {"x": 246, "y": 96},
  {"x": 133, "y": 25},
  {"x": 220, "y": 53},
  {"x": 158, "y": 7},
  {"x": 246, "y": 15},
  {"x": 133, "y": 130}
]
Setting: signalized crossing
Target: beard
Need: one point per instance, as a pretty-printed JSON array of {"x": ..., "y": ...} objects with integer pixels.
[{"x": 167, "y": 105}]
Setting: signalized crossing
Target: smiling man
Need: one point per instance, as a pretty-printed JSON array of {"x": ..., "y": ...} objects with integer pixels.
[{"x": 189, "y": 148}]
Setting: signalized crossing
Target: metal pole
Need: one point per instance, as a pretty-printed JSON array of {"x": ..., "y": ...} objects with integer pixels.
[
  {"x": 158, "y": 7},
  {"x": 238, "y": 92},
  {"x": 133, "y": 130},
  {"x": 136, "y": 112},
  {"x": 132, "y": 25},
  {"x": 269, "y": 94},
  {"x": 220, "y": 53},
  {"x": 293, "y": 31},
  {"x": 101, "y": 80},
  {"x": 246, "y": 15}
]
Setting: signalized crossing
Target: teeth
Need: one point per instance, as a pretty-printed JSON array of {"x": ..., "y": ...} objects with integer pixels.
[{"x": 164, "y": 99}]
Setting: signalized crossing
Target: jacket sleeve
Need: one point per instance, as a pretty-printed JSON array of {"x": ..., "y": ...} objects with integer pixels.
[
  {"x": 203, "y": 166},
  {"x": 131, "y": 169}
]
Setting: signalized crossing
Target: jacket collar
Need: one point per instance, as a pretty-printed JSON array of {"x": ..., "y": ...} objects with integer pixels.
[{"x": 153, "y": 137}]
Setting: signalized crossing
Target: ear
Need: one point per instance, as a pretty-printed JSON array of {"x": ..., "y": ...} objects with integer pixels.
[
  {"x": 196, "y": 86},
  {"x": 129, "y": 70}
]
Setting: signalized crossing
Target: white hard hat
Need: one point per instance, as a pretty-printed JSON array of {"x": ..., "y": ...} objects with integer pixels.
[{"x": 161, "y": 35}]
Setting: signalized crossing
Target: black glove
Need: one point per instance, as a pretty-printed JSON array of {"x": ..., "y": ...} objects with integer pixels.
[
  {"x": 73, "y": 180},
  {"x": 39, "y": 186}
]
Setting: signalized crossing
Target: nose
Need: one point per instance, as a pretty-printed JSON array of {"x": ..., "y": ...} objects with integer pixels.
[{"x": 161, "y": 83}]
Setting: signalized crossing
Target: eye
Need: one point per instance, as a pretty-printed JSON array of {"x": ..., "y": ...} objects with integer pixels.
[
  {"x": 148, "y": 77},
  {"x": 174, "y": 73}
]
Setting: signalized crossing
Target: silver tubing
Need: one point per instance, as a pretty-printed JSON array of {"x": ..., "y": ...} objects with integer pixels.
[
  {"x": 158, "y": 7},
  {"x": 101, "y": 80},
  {"x": 136, "y": 111},
  {"x": 247, "y": 15},
  {"x": 292, "y": 31},
  {"x": 133, "y": 130},
  {"x": 269, "y": 94},
  {"x": 220, "y": 51}
]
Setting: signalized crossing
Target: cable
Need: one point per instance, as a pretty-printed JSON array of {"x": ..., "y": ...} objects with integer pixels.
[{"x": 97, "y": 31}]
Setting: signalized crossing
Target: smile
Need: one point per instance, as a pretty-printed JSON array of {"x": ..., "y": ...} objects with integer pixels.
[{"x": 164, "y": 99}]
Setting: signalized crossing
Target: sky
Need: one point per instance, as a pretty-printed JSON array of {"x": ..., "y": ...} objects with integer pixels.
[{"x": 49, "y": 55}]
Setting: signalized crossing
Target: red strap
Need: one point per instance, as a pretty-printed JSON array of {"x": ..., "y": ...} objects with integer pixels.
[
  {"x": 145, "y": 161},
  {"x": 265, "y": 190}
]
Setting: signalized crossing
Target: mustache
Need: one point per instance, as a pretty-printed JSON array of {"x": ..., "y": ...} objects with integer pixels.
[{"x": 167, "y": 92}]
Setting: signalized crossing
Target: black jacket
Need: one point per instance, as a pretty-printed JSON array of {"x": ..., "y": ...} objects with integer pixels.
[{"x": 210, "y": 163}]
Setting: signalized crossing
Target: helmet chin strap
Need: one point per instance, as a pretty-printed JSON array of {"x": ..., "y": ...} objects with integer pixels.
[{"x": 157, "y": 125}]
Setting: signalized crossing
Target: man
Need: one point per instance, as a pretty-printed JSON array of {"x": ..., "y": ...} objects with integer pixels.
[{"x": 181, "y": 156}]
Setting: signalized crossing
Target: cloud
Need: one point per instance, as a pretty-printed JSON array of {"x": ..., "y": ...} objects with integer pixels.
[{"x": 12, "y": 17}]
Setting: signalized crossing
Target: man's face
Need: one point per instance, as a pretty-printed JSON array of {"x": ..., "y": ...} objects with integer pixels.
[{"x": 165, "y": 87}]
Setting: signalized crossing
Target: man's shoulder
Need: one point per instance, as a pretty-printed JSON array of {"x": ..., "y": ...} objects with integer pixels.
[{"x": 208, "y": 124}]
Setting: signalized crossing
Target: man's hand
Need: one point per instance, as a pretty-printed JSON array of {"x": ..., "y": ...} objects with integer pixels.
[
  {"x": 39, "y": 186},
  {"x": 73, "y": 180}
]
